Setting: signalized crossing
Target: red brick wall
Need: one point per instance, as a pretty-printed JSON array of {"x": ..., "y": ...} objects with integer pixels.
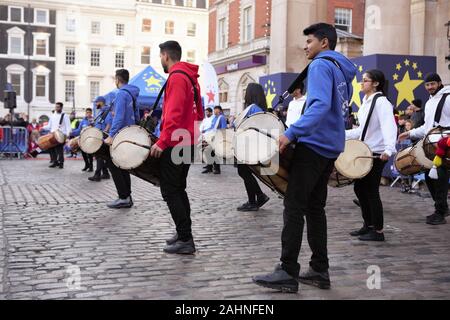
[
  {"x": 262, "y": 8},
  {"x": 234, "y": 23},
  {"x": 212, "y": 30},
  {"x": 358, "y": 12}
]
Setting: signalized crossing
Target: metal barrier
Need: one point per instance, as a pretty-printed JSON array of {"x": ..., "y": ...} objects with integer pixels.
[{"x": 15, "y": 142}]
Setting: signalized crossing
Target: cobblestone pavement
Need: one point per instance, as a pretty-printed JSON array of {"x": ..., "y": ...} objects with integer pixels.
[{"x": 53, "y": 220}]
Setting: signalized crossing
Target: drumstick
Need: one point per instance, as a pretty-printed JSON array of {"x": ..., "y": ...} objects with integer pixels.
[
  {"x": 265, "y": 133},
  {"x": 371, "y": 157},
  {"x": 135, "y": 143}
]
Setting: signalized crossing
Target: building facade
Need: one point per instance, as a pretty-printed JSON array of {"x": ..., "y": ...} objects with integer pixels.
[{"x": 27, "y": 54}]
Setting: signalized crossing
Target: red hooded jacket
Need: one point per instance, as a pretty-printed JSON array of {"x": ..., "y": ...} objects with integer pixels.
[{"x": 179, "y": 109}]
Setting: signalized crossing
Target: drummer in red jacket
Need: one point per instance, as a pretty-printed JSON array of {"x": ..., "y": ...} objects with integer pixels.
[{"x": 182, "y": 112}]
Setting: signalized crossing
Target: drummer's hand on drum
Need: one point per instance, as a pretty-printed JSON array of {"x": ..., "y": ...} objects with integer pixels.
[
  {"x": 156, "y": 151},
  {"x": 384, "y": 157},
  {"x": 403, "y": 136},
  {"x": 283, "y": 143},
  {"x": 109, "y": 141}
]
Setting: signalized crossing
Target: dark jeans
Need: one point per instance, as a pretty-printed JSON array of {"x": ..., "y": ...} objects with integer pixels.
[
  {"x": 251, "y": 185},
  {"x": 367, "y": 190},
  {"x": 57, "y": 154},
  {"x": 439, "y": 190},
  {"x": 306, "y": 196},
  {"x": 88, "y": 159},
  {"x": 101, "y": 167},
  {"x": 173, "y": 191},
  {"x": 121, "y": 179}
]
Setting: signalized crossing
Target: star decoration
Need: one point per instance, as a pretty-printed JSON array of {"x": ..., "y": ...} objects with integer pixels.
[
  {"x": 399, "y": 66},
  {"x": 395, "y": 77},
  {"x": 420, "y": 74},
  {"x": 414, "y": 65},
  {"x": 406, "y": 88},
  {"x": 360, "y": 68},
  {"x": 211, "y": 96},
  {"x": 270, "y": 96},
  {"x": 407, "y": 62},
  {"x": 356, "y": 98},
  {"x": 152, "y": 81}
]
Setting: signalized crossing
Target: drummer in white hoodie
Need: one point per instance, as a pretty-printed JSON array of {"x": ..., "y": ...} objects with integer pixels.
[{"x": 438, "y": 188}]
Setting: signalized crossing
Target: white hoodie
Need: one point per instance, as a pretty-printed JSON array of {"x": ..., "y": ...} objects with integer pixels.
[{"x": 430, "y": 111}]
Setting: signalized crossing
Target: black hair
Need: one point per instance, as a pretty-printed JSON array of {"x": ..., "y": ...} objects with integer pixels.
[
  {"x": 254, "y": 94},
  {"x": 378, "y": 76},
  {"x": 88, "y": 109},
  {"x": 209, "y": 109},
  {"x": 60, "y": 104},
  {"x": 172, "y": 48},
  {"x": 218, "y": 107},
  {"x": 322, "y": 31},
  {"x": 417, "y": 103},
  {"x": 300, "y": 85},
  {"x": 123, "y": 75}
]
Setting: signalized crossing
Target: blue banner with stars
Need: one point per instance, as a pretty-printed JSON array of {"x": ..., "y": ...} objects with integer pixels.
[
  {"x": 405, "y": 76},
  {"x": 274, "y": 85}
]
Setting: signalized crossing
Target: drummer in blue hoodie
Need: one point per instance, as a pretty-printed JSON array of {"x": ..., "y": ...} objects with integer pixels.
[
  {"x": 319, "y": 138},
  {"x": 126, "y": 113}
]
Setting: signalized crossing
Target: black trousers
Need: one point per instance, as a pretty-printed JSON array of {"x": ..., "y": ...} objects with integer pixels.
[
  {"x": 367, "y": 190},
  {"x": 101, "y": 167},
  {"x": 122, "y": 180},
  {"x": 251, "y": 185},
  {"x": 88, "y": 159},
  {"x": 173, "y": 191},
  {"x": 57, "y": 154},
  {"x": 439, "y": 190},
  {"x": 306, "y": 196}
]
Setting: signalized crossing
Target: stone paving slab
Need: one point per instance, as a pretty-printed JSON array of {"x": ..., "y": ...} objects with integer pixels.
[{"x": 51, "y": 224}]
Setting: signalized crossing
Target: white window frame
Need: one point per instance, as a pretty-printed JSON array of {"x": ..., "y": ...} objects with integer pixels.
[
  {"x": 123, "y": 59},
  {"x": 173, "y": 27},
  {"x": 99, "y": 57},
  {"x": 223, "y": 36},
  {"x": 47, "y": 21},
  {"x": 344, "y": 13},
  {"x": 250, "y": 23},
  {"x": 16, "y": 32},
  {"x": 123, "y": 29},
  {"x": 95, "y": 95},
  {"x": 188, "y": 59},
  {"x": 142, "y": 25},
  {"x": 99, "y": 27},
  {"x": 41, "y": 36},
  {"x": 65, "y": 90},
  {"x": 194, "y": 3},
  {"x": 74, "y": 24},
  {"x": 74, "y": 56},
  {"x": 171, "y": 2},
  {"x": 41, "y": 71},
  {"x": 149, "y": 55},
  {"x": 188, "y": 30},
  {"x": 17, "y": 70},
  {"x": 21, "y": 14}
]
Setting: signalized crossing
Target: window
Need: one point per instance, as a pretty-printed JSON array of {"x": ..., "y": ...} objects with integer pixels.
[
  {"x": 191, "y": 29},
  {"x": 145, "y": 55},
  {"x": 120, "y": 29},
  {"x": 70, "y": 56},
  {"x": 15, "y": 80},
  {"x": 189, "y": 3},
  {"x": 70, "y": 90},
  {"x": 70, "y": 24},
  {"x": 15, "y": 74},
  {"x": 16, "y": 45},
  {"x": 41, "y": 47},
  {"x": 222, "y": 34},
  {"x": 146, "y": 25},
  {"x": 40, "y": 86},
  {"x": 248, "y": 24},
  {"x": 343, "y": 19},
  {"x": 41, "y": 16},
  {"x": 95, "y": 57},
  {"x": 191, "y": 56},
  {"x": 16, "y": 14},
  {"x": 120, "y": 59},
  {"x": 169, "y": 2},
  {"x": 169, "y": 27},
  {"x": 95, "y": 27},
  {"x": 94, "y": 90}
]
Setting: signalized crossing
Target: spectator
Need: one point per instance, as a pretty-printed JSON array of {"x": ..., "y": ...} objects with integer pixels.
[
  {"x": 401, "y": 123},
  {"x": 416, "y": 114},
  {"x": 409, "y": 125}
]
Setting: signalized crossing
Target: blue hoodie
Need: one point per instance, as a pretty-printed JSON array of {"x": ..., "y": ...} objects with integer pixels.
[
  {"x": 108, "y": 119},
  {"x": 222, "y": 124},
  {"x": 322, "y": 127},
  {"x": 123, "y": 109},
  {"x": 83, "y": 124}
]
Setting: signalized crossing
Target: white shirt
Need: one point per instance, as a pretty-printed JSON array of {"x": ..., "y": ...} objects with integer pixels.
[
  {"x": 295, "y": 110},
  {"x": 53, "y": 123},
  {"x": 430, "y": 111},
  {"x": 381, "y": 135},
  {"x": 206, "y": 123}
]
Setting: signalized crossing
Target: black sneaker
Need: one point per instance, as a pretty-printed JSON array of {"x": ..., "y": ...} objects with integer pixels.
[
  {"x": 94, "y": 178},
  {"x": 181, "y": 247},
  {"x": 216, "y": 171},
  {"x": 436, "y": 219},
  {"x": 105, "y": 176},
  {"x": 364, "y": 230},
  {"x": 320, "y": 280},
  {"x": 61, "y": 166},
  {"x": 173, "y": 239},
  {"x": 53, "y": 165},
  {"x": 372, "y": 235},
  {"x": 248, "y": 207},
  {"x": 85, "y": 168},
  {"x": 206, "y": 171},
  {"x": 262, "y": 200},
  {"x": 278, "y": 280},
  {"x": 120, "y": 203}
]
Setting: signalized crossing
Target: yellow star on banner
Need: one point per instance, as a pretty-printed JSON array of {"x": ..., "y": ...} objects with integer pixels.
[
  {"x": 360, "y": 68},
  {"x": 407, "y": 62},
  {"x": 399, "y": 66},
  {"x": 356, "y": 98},
  {"x": 152, "y": 81},
  {"x": 414, "y": 65},
  {"x": 420, "y": 74},
  {"x": 270, "y": 96},
  {"x": 395, "y": 77},
  {"x": 406, "y": 88}
]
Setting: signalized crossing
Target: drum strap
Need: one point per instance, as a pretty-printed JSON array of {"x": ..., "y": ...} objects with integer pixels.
[
  {"x": 440, "y": 107},
  {"x": 134, "y": 103},
  {"x": 372, "y": 107},
  {"x": 61, "y": 119}
]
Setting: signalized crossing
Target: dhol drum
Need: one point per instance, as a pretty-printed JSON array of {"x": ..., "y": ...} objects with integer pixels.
[
  {"x": 356, "y": 161},
  {"x": 256, "y": 144},
  {"x": 130, "y": 151},
  {"x": 223, "y": 144},
  {"x": 51, "y": 140},
  {"x": 412, "y": 160},
  {"x": 337, "y": 180},
  {"x": 91, "y": 142},
  {"x": 74, "y": 144},
  {"x": 207, "y": 146},
  {"x": 430, "y": 143}
]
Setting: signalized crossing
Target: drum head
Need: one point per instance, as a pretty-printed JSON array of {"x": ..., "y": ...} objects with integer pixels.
[
  {"x": 348, "y": 163},
  {"x": 431, "y": 140},
  {"x": 127, "y": 155},
  {"x": 91, "y": 139},
  {"x": 209, "y": 137},
  {"x": 263, "y": 120},
  {"x": 223, "y": 143},
  {"x": 59, "y": 136},
  {"x": 252, "y": 147},
  {"x": 421, "y": 158}
]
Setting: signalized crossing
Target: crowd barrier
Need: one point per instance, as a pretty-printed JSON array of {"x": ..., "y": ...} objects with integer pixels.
[{"x": 15, "y": 142}]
